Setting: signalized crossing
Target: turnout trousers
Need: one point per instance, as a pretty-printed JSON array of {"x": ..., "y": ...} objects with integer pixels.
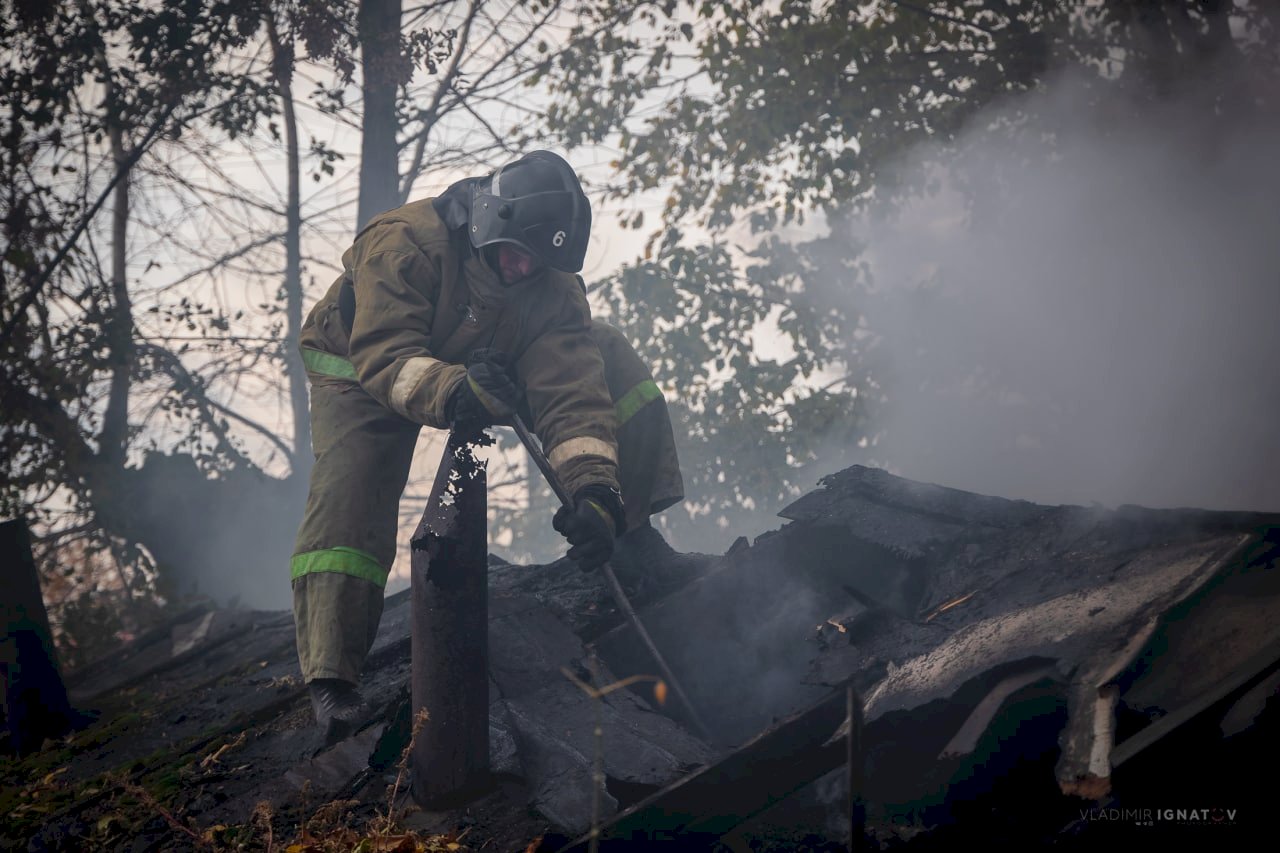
[{"x": 363, "y": 450}]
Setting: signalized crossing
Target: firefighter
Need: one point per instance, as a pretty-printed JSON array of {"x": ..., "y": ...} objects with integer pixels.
[{"x": 461, "y": 310}]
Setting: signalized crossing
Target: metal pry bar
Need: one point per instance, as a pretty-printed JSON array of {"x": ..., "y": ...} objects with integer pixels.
[{"x": 619, "y": 595}]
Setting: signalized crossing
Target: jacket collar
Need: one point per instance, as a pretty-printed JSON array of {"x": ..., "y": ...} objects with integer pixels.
[{"x": 454, "y": 205}]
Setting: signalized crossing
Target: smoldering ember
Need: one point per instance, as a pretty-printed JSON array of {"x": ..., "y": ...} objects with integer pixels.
[{"x": 1009, "y": 661}]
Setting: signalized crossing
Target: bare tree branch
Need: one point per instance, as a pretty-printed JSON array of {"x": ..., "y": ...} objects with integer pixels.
[
  {"x": 122, "y": 169},
  {"x": 943, "y": 16},
  {"x": 193, "y": 389},
  {"x": 430, "y": 113},
  {"x": 261, "y": 429}
]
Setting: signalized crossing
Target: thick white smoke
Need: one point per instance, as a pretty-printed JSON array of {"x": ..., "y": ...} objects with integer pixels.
[{"x": 1099, "y": 324}]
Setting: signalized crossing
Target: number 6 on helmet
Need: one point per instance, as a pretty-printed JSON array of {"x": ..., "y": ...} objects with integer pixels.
[{"x": 536, "y": 204}]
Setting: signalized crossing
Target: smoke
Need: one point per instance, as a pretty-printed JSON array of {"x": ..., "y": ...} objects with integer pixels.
[
  {"x": 1085, "y": 310},
  {"x": 1082, "y": 309},
  {"x": 227, "y": 538}
]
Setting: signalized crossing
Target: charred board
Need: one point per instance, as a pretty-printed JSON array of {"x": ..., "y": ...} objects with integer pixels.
[{"x": 725, "y": 794}]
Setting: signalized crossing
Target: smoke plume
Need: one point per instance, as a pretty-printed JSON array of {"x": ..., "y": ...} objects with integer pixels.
[{"x": 1085, "y": 311}]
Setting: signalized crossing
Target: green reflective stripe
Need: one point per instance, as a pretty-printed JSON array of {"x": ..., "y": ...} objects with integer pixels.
[
  {"x": 345, "y": 561},
  {"x": 604, "y": 513},
  {"x": 635, "y": 399},
  {"x": 328, "y": 364}
]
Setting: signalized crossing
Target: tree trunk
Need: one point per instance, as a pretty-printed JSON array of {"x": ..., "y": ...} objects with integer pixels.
[
  {"x": 114, "y": 438},
  {"x": 282, "y": 69},
  {"x": 384, "y": 70}
]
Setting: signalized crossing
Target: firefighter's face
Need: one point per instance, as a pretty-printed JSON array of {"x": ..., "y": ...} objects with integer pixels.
[{"x": 515, "y": 264}]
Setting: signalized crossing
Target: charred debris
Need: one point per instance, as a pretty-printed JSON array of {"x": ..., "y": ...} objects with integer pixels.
[{"x": 899, "y": 666}]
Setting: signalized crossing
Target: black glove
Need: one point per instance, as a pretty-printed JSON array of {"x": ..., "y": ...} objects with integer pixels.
[
  {"x": 486, "y": 395},
  {"x": 590, "y": 525}
]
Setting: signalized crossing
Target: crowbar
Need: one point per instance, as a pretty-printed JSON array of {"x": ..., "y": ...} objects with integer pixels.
[{"x": 624, "y": 603}]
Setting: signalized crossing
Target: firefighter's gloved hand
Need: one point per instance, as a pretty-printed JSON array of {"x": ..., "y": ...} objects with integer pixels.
[
  {"x": 487, "y": 394},
  {"x": 590, "y": 525}
]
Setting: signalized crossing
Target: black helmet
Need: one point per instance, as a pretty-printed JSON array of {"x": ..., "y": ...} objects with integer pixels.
[{"x": 536, "y": 203}]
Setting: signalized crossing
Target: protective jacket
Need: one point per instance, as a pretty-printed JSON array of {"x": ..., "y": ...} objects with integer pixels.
[
  {"x": 384, "y": 349},
  {"x": 423, "y": 300}
]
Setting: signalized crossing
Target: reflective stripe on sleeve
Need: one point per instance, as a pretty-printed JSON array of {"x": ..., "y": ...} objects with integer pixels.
[
  {"x": 635, "y": 400},
  {"x": 582, "y": 446},
  {"x": 411, "y": 373},
  {"x": 327, "y": 364},
  {"x": 342, "y": 560}
]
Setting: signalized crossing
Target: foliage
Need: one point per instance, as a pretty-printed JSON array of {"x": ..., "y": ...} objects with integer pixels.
[
  {"x": 90, "y": 90},
  {"x": 144, "y": 408},
  {"x": 750, "y": 138},
  {"x": 763, "y": 132}
]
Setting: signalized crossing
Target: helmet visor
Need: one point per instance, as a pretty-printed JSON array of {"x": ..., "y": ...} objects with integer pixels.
[{"x": 552, "y": 225}]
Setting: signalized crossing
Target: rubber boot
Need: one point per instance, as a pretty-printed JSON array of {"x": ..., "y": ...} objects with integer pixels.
[
  {"x": 648, "y": 567},
  {"x": 339, "y": 708}
]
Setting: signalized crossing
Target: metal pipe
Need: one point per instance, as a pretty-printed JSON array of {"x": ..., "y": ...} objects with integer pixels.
[{"x": 450, "y": 634}]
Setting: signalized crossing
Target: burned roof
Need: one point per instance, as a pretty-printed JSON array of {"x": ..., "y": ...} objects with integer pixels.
[{"x": 982, "y": 636}]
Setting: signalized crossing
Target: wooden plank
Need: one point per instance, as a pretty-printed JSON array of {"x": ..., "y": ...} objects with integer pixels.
[
  {"x": 713, "y": 800},
  {"x": 1252, "y": 672}
]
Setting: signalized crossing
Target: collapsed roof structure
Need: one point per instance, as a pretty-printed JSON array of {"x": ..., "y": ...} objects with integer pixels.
[{"x": 1018, "y": 672}]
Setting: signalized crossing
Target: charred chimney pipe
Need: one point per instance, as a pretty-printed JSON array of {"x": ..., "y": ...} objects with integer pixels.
[{"x": 449, "y": 577}]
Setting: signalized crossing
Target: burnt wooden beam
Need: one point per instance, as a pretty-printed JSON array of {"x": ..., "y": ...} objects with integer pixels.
[
  {"x": 725, "y": 794},
  {"x": 34, "y": 698},
  {"x": 1254, "y": 671},
  {"x": 855, "y": 771},
  {"x": 450, "y": 633}
]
